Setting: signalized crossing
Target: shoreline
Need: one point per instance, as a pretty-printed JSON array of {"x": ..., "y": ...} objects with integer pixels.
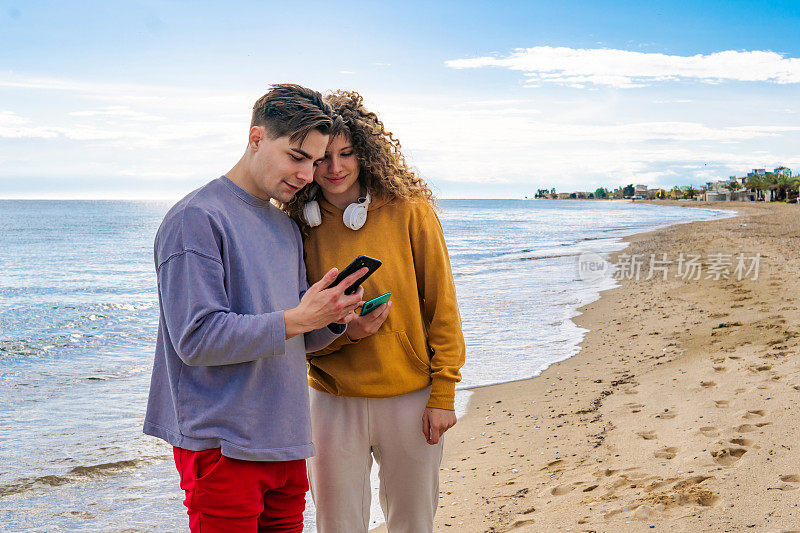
[
  {"x": 624, "y": 239},
  {"x": 514, "y": 463}
]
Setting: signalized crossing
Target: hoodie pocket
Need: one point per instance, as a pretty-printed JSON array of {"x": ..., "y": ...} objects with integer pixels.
[
  {"x": 411, "y": 353},
  {"x": 377, "y": 366}
]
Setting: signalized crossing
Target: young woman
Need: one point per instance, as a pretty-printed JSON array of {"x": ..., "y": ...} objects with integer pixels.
[{"x": 386, "y": 388}]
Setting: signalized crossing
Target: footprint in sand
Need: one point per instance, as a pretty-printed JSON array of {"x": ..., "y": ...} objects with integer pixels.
[
  {"x": 743, "y": 442},
  {"x": 689, "y": 491},
  {"x": 554, "y": 465},
  {"x": 728, "y": 456},
  {"x": 791, "y": 478},
  {"x": 722, "y": 403},
  {"x": 694, "y": 480},
  {"x": 709, "y": 431},
  {"x": 754, "y": 414},
  {"x": 745, "y": 428},
  {"x": 719, "y": 368},
  {"x": 560, "y": 490},
  {"x": 634, "y": 407},
  {"x": 608, "y": 472},
  {"x": 708, "y": 384},
  {"x": 667, "y": 453},
  {"x": 518, "y": 523},
  {"x": 648, "y": 435}
]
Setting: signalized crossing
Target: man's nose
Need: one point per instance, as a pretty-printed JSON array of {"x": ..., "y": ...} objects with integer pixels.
[{"x": 306, "y": 173}]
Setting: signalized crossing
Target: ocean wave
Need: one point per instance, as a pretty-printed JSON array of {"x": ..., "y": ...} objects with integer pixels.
[{"x": 74, "y": 475}]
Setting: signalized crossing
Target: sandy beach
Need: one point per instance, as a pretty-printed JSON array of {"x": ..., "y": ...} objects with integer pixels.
[{"x": 679, "y": 413}]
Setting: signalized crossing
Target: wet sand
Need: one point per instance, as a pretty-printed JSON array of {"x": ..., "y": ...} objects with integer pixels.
[{"x": 680, "y": 413}]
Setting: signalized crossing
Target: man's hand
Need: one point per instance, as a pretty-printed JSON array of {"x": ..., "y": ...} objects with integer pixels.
[
  {"x": 321, "y": 305},
  {"x": 364, "y": 326},
  {"x": 435, "y": 422}
]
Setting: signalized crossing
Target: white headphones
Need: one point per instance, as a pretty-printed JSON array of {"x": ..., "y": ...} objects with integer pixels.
[{"x": 354, "y": 217}]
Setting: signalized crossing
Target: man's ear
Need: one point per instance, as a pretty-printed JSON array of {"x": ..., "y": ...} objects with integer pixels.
[{"x": 254, "y": 139}]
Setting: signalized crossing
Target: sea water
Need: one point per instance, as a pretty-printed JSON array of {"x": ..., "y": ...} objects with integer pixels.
[{"x": 79, "y": 314}]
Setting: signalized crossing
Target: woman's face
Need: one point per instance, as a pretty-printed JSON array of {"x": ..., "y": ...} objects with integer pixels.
[{"x": 337, "y": 173}]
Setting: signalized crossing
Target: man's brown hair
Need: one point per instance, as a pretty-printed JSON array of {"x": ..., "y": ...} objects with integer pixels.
[{"x": 293, "y": 110}]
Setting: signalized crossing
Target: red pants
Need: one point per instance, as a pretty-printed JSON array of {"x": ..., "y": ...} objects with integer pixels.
[{"x": 228, "y": 495}]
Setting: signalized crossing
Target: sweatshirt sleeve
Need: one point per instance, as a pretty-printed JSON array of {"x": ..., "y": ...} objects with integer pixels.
[
  {"x": 336, "y": 345},
  {"x": 322, "y": 337},
  {"x": 200, "y": 324},
  {"x": 440, "y": 309}
]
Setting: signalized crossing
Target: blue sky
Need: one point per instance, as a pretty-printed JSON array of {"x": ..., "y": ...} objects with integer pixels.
[{"x": 152, "y": 99}]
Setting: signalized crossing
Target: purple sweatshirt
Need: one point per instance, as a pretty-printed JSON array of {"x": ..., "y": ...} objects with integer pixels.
[{"x": 228, "y": 265}]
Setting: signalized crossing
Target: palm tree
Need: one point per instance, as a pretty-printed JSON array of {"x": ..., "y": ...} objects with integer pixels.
[
  {"x": 794, "y": 186},
  {"x": 783, "y": 185},
  {"x": 689, "y": 192},
  {"x": 757, "y": 184},
  {"x": 770, "y": 183}
]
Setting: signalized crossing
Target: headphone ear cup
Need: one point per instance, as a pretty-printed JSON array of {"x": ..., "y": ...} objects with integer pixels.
[
  {"x": 312, "y": 214},
  {"x": 355, "y": 216}
]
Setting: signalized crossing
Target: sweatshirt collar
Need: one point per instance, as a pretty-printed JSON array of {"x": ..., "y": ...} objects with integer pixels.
[{"x": 243, "y": 194}]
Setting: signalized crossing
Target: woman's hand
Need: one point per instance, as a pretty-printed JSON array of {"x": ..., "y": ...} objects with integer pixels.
[
  {"x": 435, "y": 422},
  {"x": 364, "y": 326}
]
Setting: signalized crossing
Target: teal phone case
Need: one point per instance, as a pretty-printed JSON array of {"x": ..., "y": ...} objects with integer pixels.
[{"x": 375, "y": 302}]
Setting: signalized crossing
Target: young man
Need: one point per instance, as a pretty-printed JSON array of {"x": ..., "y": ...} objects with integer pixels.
[{"x": 229, "y": 388}]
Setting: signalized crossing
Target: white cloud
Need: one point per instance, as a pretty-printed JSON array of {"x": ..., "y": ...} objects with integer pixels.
[
  {"x": 14, "y": 126},
  {"x": 579, "y": 67},
  {"x": 470, "y": 142},
  {"x": 118, "y": 112},
  {"x": 175, "y": 138}
]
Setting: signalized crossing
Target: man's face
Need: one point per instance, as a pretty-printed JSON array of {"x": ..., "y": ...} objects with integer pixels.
[{"x": 280, "y": 168}]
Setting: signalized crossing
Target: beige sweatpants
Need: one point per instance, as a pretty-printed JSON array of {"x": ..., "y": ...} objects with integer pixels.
[{"x": 347, "y": 433}]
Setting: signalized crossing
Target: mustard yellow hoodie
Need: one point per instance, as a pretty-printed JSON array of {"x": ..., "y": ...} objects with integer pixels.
[{"x": 421, "y": 342}]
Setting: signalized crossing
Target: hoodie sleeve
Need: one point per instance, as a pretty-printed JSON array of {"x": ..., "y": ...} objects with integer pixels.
[
  {"x": 322, "y": 337},
  {"x": 440, "y": 308}
]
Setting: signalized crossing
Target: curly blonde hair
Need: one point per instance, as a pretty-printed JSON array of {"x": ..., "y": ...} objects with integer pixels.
[{"x": 382, "y": 168}]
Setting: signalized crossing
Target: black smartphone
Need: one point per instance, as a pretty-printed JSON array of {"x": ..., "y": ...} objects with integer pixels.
[{"x": 358, "y": 263}]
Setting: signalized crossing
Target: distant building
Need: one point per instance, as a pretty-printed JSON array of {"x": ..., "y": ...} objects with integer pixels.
[
  {"x": 761, "y": 172},
  {"x": 640, "y": 190},
  {"x": 782, "y": 171},
  {"x": 716, "y": 196}
]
